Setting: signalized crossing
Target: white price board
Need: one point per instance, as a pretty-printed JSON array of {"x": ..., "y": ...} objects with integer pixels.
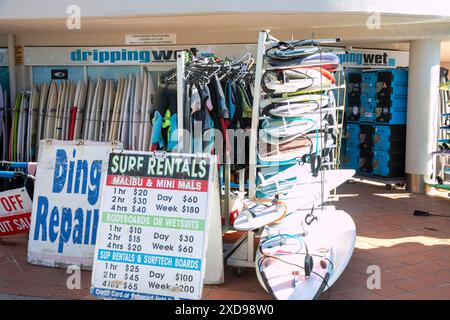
[{"x": 153, "y": 228}]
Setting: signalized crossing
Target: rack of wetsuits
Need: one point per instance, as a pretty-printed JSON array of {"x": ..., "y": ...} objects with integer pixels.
[{"x": 206, "y": 107}]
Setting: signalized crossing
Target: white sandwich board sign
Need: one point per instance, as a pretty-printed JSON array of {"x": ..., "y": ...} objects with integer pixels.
[
  {"x": 66, "y": 202},
  {"x": 154, "y": 224}
]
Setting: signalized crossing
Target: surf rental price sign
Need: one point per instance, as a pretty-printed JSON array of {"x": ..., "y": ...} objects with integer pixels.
[{"x": 153, "y": 228}]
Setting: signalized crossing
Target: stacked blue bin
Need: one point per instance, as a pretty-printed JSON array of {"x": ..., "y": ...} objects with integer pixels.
[
  {"x": 392, "y": 93},
  {"x": 376, "y": 137},
  {"x": 389, "y": 150}
]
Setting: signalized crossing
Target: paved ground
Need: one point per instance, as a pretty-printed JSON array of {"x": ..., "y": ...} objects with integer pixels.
[{"x": 413, "y": 254}]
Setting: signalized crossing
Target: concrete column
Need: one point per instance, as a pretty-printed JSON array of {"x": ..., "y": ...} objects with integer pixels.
[
  {"x": 12, "y": 69},
  {"x": 423, "y": 99}
]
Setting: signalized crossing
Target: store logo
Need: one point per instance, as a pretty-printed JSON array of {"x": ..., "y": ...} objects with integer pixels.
[
  {"x": 366, "y": 59},
  {"x": 124, "y": 56}
]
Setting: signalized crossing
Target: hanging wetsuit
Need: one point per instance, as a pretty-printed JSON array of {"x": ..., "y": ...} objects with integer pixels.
[{"x": 157, "y": 140}]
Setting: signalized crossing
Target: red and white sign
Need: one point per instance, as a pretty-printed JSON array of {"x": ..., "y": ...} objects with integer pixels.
[{"x": 15, "y": 212}]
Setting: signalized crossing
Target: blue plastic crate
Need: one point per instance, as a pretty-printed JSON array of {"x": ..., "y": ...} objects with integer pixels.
[
  {"x": 369, "y": 101},
  {"x": 367, "y": 114},
  {"x": 391, "y": 93},
  {"x": 351, "y": 159},
  {"x": 353, "y": 110},
  {"x": 388, "y": 165},
  {"x": 389, "y": 116},
  {"x": 390, "y": 138},
  {"x": 393, "y": 104},
  {"x": 365, "y": 164},
  {"x": 353, "y": 135},
  {"x": 396, "y": 77}
]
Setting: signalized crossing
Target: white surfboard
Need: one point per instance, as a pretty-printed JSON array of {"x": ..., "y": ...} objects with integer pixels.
[
  {"x": 22, "y": 127},
  {"x": 59, "y": 110},
  {"x": 104, "y": 112},
  {"x": 109, "y": 115},
  {"x": 112, "y": 124},
  {"x": 254, "y": 215},
  {"x": 333, "y": 229},
  {"x": 142, "y": 110},
  {"x": 32, "y": 139},
  {"x": 51, "y": 111},
  {"x": 96, "y": 110},
  {"x": 280, "y": 263},
  {"x": 43, "y": 104},
  {"x": 136, "y": 117},
  {"x": 114, "y": 127},
  {"x": 80, "y": 108},
  {"x": 131, "y": 113},
  {"x": 73, "y": 111},
  {"x": 72, "y": 96},
  {"x": 124, "y": 134},
  {"x": 296, "y": 190},
  {"x": 87, "y": 111}
]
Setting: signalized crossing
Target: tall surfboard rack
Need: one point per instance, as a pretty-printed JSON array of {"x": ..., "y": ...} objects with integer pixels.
[{"x": 242, "y": 254}]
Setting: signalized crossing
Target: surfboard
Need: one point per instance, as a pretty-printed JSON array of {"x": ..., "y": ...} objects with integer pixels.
[
  {"x": 87, "y": 110},
  {"x": 341, "y": 236},
  {"x": 109, "y": 115},
  {"x": 67, "y": 123},
  {"x": 33, "y": 124},
  {"x": 131, "y": 113},
  {"x": 292, "y": 183},
  {"x": 3, "y": 126},
  {"x": 296, "y": 106},
  {"x": 113, "y": 135},
  {"x": 73, "y": 111},
  {"x": 326, "y": 60},
  {"x": 59, "y": 110},
  {"x": 51, "y": 111},
  {"x": 105, "y": 111},
  {"x": 15, "y": 123},
  {"x": 96, "y": 110},
  {"x": 150, "y": 106},
  {"x": 21, "y": 134},
  {"x": 80, "y": 108},
  {"x": 142, "y": 113},
  {"x": 294, "y": 80},
  {"x": 255, "y": 214},
  {"x": 136, "y": 119},
  {"x": 280, "y": 130},
  {"x": 124, "y": 134},
  {"x": 43, "y": 102},
  {"x": 99, "y": 109}
]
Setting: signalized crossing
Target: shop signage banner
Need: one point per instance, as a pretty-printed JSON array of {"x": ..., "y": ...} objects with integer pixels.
[
  {"x": 66, "y": 202},
  {"x": 133, "y": 55},
  {"x": 15, "y": 212},
  {"x": 364, "y": 58},
  {"x": 153, "y": 226},
  {"x": 147, "y": 55},
  {"x": 3, "y": 57},
  {"x": 158, "y": 39}
]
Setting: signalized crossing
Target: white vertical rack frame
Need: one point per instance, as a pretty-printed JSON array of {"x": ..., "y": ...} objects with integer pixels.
[{"x": 243, "y": 253}]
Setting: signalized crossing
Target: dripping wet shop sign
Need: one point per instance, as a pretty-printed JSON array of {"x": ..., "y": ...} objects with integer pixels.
[{"x": 66, "y": 202}]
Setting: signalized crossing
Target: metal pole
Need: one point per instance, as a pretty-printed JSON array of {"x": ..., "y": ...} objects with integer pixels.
[
  {"x": 12, "y": 69},
  {"x": 180, "y": 99}
]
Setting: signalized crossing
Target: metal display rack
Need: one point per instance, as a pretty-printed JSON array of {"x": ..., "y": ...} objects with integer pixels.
[
  {"x": 441, "y": 161},
  {"x": 242, "y": 253}
]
